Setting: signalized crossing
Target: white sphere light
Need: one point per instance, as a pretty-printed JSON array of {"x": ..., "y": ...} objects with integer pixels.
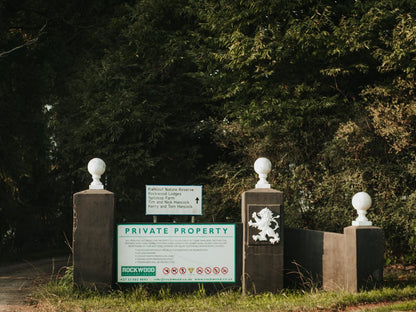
[
  {"x": 262, "y": 166},
  {"x": 361, "y": 202},
  {"x": 96, "y": 167}
]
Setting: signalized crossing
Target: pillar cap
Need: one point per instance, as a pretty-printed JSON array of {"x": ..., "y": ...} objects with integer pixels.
[
  {"x": 96, "y": 167},
  {"x": 262, "y": 166},
  {"x": 361, "y": 202}
]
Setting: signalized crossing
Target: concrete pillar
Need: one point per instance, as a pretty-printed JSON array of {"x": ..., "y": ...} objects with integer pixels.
[
  {"x": 363, "y": 257},
  {"x": 93, "y": 239},
  {"x": 262, "y": 259}
]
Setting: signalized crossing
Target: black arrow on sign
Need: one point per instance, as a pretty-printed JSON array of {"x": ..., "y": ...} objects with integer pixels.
[{"x": 197, "y": 200}]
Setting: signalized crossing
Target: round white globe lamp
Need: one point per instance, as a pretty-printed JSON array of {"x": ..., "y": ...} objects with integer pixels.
[
  {"x": 361, "y": 202},
  {"x": 262, "y": 166},
  {"x": 96, "y": 167}
]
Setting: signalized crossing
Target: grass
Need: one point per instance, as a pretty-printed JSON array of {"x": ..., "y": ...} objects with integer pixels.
[
  {"x": 58, "y": 295},
  {"x": 401, "y": 306}
]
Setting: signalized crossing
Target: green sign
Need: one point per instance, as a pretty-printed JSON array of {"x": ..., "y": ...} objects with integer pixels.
[
  {"x": 176, "y": 253},
  {"x": 138, "y": 271}
]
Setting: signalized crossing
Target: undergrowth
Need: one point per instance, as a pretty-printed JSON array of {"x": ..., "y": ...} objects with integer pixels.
[{"x": 59, "y": 295}]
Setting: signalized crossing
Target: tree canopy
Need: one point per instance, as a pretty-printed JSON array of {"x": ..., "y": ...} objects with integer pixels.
[{"x": 192, "y": 92}]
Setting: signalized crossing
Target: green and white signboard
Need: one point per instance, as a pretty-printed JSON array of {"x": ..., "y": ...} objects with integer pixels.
[{"x": 176, "y": 253}]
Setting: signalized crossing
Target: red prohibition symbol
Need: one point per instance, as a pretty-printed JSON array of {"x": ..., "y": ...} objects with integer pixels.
[
  {"x": 174, "y": 270},
  {"x": 208, "y": 270},
  {"x": 182, "y": 270},
  {"x": 216, "y": 270},
  {"x": 224, "y": 270},
  {"x": 199, "y": 270},
  {"x": 166, "y": 270}
]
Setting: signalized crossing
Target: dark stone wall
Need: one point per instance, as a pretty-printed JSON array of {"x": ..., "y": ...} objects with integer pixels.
[{"x": 303, "y": 257}]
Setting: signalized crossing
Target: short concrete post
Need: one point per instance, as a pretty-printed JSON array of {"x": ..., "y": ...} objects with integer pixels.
[
  {"x": 363, "y": 257},
  {"x": 93, "y": 235},
  {"x": 363, "y": 249},
  {"x": 262, "y": 218}
]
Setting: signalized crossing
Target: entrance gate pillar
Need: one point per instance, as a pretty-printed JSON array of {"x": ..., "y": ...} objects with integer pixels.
[
  {"x": 93, "y": 233},
  {"x": 263, "y": 241}
]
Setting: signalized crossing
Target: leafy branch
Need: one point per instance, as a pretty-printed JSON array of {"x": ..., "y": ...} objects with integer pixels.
[{"x": 26, "y": 44}]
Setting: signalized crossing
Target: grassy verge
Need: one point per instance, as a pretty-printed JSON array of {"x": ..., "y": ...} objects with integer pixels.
[
  {"x": 59, "y": 295},
  {"x": 401, "y": 306}
]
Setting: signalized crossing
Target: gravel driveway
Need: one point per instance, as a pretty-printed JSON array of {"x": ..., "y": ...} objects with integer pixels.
[{"x": 17, "y": 281}]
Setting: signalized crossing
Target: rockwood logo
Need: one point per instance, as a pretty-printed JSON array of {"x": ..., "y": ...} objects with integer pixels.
[{"x": 138, "y": 271}]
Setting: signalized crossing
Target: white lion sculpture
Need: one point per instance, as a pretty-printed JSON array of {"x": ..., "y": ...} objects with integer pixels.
[{"x": 264, "y": 224}]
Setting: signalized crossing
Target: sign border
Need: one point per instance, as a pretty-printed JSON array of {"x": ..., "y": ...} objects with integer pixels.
[
  {"x": 172, "y": 214},
  {"x": 179, "y": 282}
]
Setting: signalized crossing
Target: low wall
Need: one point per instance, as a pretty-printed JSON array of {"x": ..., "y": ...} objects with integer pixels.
[
  {"x": 303, "y": 256},
  {"x": 351, "y": 261}
]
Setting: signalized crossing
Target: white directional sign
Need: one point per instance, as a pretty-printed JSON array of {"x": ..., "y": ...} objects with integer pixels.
[
  {"x": 176, "y": 253},
  {"x": 173, "y": 199}
]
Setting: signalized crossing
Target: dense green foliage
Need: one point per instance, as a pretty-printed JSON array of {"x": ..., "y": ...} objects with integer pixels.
[
  {"x": 325, "y": 90},
  {"x": 192, "y": 92}
]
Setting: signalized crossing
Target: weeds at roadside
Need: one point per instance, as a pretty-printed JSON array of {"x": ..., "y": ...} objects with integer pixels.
[{"x": 59, "y": 295}]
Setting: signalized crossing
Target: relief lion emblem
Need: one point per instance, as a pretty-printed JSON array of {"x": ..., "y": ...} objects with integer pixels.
[{"x": 264, "y": 224}]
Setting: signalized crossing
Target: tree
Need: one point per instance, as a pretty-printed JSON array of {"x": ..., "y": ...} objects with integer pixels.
[
  {"x": 323, "y": 89},
  {"x": 192, "y": 92},
  {"x": 25, "y": 207},
  {"x": 136, "y": 105}
]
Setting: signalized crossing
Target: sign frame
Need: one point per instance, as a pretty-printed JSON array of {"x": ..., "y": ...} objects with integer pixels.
[
  {"x": 160, "y": 212},
  {"x": 234, "y": 261}
]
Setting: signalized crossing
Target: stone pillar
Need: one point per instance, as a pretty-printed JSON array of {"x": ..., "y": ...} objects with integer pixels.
[
  {"x": 93, "y": 233},
  {"x": 93, "y": 239},
  {"x": 364, "y": 248},
  {"x": 262, "y": 256},
  {"x": 363, "y": 257}
]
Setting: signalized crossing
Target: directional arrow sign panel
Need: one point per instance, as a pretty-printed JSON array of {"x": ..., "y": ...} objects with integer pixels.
[{"x": 174, "y": 200}]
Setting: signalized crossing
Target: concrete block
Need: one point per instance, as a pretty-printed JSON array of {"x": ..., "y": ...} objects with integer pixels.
[
  {"x": 363, "y": 257},
  {"x": 333, "y": 261},
  {"x": 93, "y": 239}
]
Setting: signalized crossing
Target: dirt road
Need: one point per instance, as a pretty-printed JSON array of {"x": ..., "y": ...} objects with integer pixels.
[{"x": 17, "y": 281}]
